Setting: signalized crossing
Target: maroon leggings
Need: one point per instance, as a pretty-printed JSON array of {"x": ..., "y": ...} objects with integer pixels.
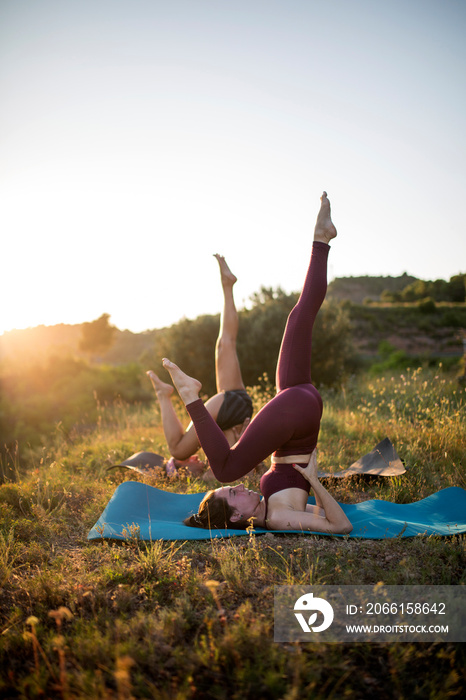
[{"x": 289, "y": 423}]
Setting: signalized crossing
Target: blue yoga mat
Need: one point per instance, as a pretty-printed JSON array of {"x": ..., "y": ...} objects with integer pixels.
[{"x": 153, "y": 514}]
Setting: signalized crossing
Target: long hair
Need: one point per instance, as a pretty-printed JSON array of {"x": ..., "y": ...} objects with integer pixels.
[{"x": 215, "y": 513}]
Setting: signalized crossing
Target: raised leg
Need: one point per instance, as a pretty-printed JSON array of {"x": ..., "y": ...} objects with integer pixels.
[
  {"x": 324, "y": 229},
  {"x": 187, "y": 387},
  {"x": 227, "y": 367},
  {"x": 294, "y": 360},
  {"x": 181, "y": 444},
  {"x": 291, "y": 420}
]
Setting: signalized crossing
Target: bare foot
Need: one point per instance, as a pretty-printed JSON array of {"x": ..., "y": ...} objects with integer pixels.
[
  {"x": 324, "y": 230},
  {"x": 162, "y": 389},
  {"x": 228, "y": 278},
  {"x": 188, "y": 387}
]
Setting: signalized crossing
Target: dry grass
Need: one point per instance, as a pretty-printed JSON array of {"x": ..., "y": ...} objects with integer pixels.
[{"x": 195, "y": 619}]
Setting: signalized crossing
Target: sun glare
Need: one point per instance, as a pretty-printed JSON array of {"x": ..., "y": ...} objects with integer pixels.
[{"x": 136, "y": 147}]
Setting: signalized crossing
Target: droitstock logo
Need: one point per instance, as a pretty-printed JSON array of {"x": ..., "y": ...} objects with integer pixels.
[
  {"x": 308, "y": 604},
  {"x": 369, "y": 613}
]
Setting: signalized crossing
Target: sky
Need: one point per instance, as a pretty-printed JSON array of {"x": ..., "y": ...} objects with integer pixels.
[{"x": 140, "y": 137}]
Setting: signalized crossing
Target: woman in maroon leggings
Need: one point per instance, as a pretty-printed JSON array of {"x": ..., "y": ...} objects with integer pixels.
[{"x": 287, "y": 426}]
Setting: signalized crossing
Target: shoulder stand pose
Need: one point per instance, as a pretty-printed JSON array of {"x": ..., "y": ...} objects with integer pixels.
[
  {"x": 231, "y": 407},
  {"x": 287, "y": 426}
]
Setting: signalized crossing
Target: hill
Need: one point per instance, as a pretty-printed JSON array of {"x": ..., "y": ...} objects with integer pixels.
[
  {"x": 359, "y": 289},
  {"x": 42, "y": 342},
  {"x": 420, "y": 329},
  {"x": 416, "y": 326}
]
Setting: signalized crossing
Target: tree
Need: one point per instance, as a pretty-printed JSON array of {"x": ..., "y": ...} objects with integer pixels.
[
  {"x": 457, "y": 288},
  {"x": 333, "y": 354},
  {"x": 97, "y": 336},
  {"x": 191, "y": 343},
  {"x": 260, "y": 333}
]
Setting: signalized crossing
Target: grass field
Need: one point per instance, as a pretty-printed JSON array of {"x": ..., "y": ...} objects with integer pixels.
[{"x": 195, "y": 620}]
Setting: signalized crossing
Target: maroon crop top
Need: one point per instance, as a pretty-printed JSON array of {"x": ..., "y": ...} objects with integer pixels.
[{"x": 280, "y": 477}]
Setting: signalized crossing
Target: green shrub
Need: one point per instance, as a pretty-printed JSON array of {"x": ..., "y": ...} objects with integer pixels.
[{"x": 427, "y": 306}]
